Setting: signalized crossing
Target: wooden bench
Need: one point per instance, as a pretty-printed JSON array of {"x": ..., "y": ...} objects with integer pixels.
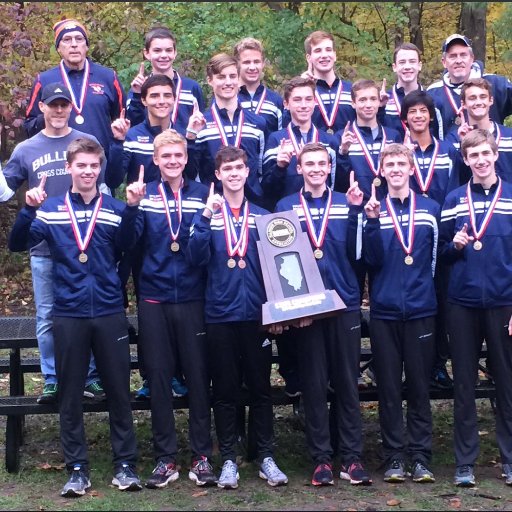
[{"x": 18, "y": 333}]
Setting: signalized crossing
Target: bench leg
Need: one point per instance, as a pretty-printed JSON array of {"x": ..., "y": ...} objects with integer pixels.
[{"x": 13, "y": 435}]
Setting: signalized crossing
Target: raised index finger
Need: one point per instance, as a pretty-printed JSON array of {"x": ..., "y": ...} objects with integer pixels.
[
  {"x": 141, "y": 174},
  {"x": 373, "y": 196},
  {"x": 351, "y": 179},
  {"x": 347, "y": 127},
  {"x": 195, "y": 105},
  {"x": 122, "y": 115},
  {"x": 383, "y": 85},
  {"x": 141, "y": 68},
  {"x": 43, "y": 181},
  {"x": 212, "y": 188}
]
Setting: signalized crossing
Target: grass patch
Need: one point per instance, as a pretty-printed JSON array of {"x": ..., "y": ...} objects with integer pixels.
[{"x": 37, "y": 485}]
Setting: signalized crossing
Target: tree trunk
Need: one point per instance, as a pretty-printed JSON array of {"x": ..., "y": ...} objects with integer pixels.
[
  {"x": 473, "y": 25},
  {"x": 416, "y": 34}
]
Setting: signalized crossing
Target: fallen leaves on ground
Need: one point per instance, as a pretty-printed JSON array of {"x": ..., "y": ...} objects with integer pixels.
[
  {"x": 46, "y": 466},
  {"x": 393, "y": 502},
  {"x": 455, "y": 502}
]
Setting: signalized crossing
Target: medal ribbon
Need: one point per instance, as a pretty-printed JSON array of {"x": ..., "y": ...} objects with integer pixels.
[
  {"x": 497, "y": 134},
  {"x": 236, "y": 244},
  {"x": 174, "y": 114},
  {"x": 364, "y": 147},
  {"x": 220, "y": 127},
  {"x": 329, "y": 120},
  {"x": 163, "y": 194},
  {"x": 83, "y": 243},
  {"x": 398, "y": 228},
  {"x": 425, "y": 184},
  {"x": 260, "y": 102},
  {"x": 317, "y": 240},
  {"x": 85, "y": 83},
  {"x": 298, "y": 146},
  {"x": 478, "y": 233},
  {"x": 398, "y": 105},
  {"x": 449, "y": 95}
]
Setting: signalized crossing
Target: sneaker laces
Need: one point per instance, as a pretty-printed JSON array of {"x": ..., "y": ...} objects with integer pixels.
[
  {"x": 270, "y": 468},
  {"x": 464, "y": 469},
  {"x": 76, "y": 474},
  {"x": 128, "y": 471},
  {"x": 161, "y": 468},
  {"x": 395, "y": 464},
  {"x": 229, "y": 469},
  {"x": 203, "y": 465},
  {"x": 323, "y": 466},
  {"x": 95, "y": 386}
]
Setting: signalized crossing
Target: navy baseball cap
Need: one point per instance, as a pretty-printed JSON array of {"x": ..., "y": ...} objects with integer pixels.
[
  {"x": 456, "y": 37},
  {"x": 55, "y": 91}
]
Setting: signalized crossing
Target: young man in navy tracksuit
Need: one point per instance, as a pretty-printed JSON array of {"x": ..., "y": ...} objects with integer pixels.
[
  {"x": 334, "y": 108},
  {"x": 223, "y": 240},
  {"x": 160, "y": 49},
  {"x": 475, "y": 239},
  {"x": 82, "y": 231},
  {"x": 476, "y": 100},
  {"x": 132, "y": 148},
  {"x": 253, "y": 94},
  {"x": 171, "y": 306},
  {"x": 132, "y": 145},
  {"x": 329, "y": 349},
  {"x": 400, "y": 246},
  {"x": 280, "y": 177},
  {"x": 437, "y": 171},
  {"x": 226, "y": 123},
  {"x": 362, "y": 141}
]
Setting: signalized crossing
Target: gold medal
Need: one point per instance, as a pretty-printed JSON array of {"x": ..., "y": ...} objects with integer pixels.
[
  {"x": 330, "y": 131},
  {"x": 319, "y": 254},
  {"x": 457, "y": 120},
  {"x": 409, "y": 260},
  {"x": 477, "y": 245},
  {"x": 377, "y": 182},
  {"x": 83, "y": 257},
  {"x": 175, "y": 247},
  {"x": 79, "y": 119},
  {"x": 231, "y": 263},
  {"x": 242, "y": 264}
]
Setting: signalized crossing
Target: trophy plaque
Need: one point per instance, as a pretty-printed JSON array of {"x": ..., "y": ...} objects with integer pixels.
[{"x": 293, "y": 283}]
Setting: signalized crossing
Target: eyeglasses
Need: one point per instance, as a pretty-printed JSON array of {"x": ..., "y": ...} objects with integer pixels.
[{"x": 68, "y": 40}]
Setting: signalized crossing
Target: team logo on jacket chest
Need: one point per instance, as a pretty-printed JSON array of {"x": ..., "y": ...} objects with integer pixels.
[
  {"x": 281, "y": 232},
  {"x": 143, "y": 138},
  {"x": 97, "y": 88}
]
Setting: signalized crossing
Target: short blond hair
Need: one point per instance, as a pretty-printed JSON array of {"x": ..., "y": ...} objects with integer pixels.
[
  {"x": 248, "y": 43},
  {"x": 169, "y": 136},
  {"x": 396, "y": 149}
]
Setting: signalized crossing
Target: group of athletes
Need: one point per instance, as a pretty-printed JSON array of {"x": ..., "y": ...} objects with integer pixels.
[{"x": 403, "y": 192}]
